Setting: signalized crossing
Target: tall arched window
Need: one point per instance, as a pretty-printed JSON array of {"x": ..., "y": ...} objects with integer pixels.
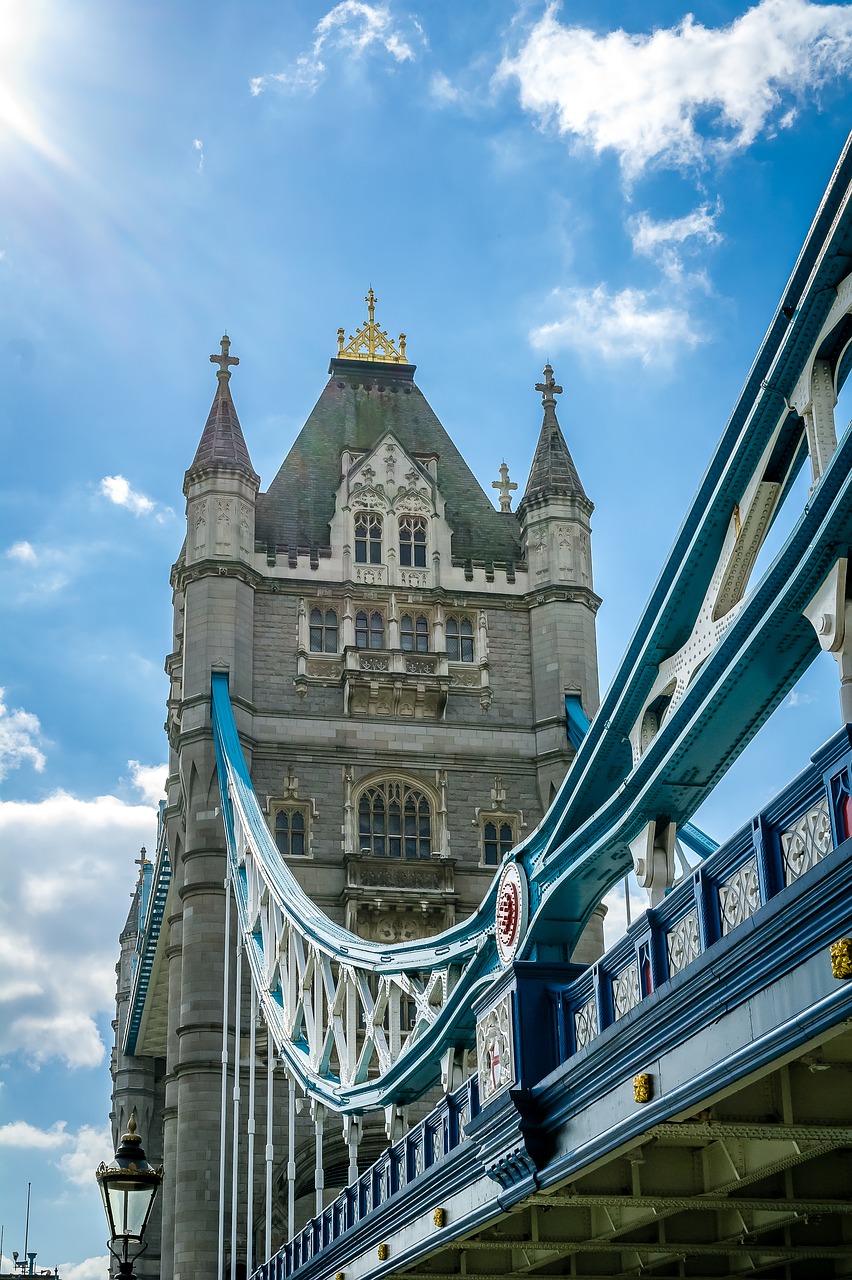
[
  {"x": 394, "y": 821},
  {"x": 324, "y": 631},
  {"x": 368, "y": 538},
  {"x": 369, "y": 629},
  {"x": 459, "y": 633},
  {"x": 414, "y": 633},
  {"x": 412, "y": 541}
]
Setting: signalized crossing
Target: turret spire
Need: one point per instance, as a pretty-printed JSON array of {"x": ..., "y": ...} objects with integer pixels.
[
  {"x": 552, "y": 471},
  {"x": 222, "y": 443}
]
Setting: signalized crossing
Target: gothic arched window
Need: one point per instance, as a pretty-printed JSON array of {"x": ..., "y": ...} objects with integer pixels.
[
  {"x": 459, "y": 633},
  {"x": 414, "y": 633},
  {"x": 497, "y": 839},
  {"x": 394, "y": 821},
  {"x": 368, "y": 538},
  {"x": 290, "y": 832},
  {"x": 324, "y": 631},
  {"x": 369, "y": 629},
  {"x": 412, "y": 541}
]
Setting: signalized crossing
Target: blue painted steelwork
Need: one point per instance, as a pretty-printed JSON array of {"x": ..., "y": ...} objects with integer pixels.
[
  {"x": 577, "y": 725},
  {"x": 576, "y": 721},
  {"x": 422, "y": 1149},
  {"x": 150, "y": 923},
  {"x": 697, "y": 840},
  {"x": 581, "y": 847},
  {"x": 556, "y": 1081}
]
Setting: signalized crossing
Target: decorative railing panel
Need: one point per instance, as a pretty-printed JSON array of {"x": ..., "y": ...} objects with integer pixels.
[
  {"x": 683, "y": 944},
  {"x": 429, "y": 1142},
  {"x": 739, "y": 896},
  {"x": 806, "y": 841},
  {"x": 795, "y": 832}
]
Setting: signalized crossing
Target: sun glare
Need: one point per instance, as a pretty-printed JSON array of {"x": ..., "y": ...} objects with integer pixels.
[{"x": 23, "y": 24}]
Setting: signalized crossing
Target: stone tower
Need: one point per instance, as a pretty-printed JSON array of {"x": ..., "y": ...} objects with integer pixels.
[
  {"x": 399, "y": 654},
  {"x": 556, "y": 535}
]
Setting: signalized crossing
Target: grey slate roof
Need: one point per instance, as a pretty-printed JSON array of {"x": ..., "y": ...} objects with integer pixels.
[
  {"x": 552, "y": 469},
  {"x": 222, "y": 442},
  {"x": 360, "y": 403}
]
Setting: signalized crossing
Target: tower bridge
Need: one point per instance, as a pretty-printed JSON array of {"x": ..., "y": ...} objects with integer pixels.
[{"x": 363, "y": 1000}]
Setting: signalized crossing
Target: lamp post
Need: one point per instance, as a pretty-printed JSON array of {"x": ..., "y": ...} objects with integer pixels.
[{"x": 128, "y": 1185}]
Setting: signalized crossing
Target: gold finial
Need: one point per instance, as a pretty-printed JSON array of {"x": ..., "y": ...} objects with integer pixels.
[
  {"x": 131, "y": 1135},
  {"x": 142, "y": 862},
  {"x": 370, "y": 342}
]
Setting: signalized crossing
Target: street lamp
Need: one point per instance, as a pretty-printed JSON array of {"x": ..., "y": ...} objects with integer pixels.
[{"x": 128, "y": 1186}]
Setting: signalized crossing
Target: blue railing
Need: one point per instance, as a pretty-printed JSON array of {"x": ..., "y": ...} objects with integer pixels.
[
  {"x": 150, "y": 924},
  {"x": 792, "y": 834},
  {"x": 422, "y": 1148}
]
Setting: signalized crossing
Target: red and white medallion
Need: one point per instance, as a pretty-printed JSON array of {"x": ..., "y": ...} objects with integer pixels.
[{"x": 511, "y": 911}]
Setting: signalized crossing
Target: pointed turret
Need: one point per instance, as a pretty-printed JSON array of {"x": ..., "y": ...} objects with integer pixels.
[
  {"x": 552, "y": 471},
  {"x": 554, "y": 517},
  {"x": 221, "y": 485},
  {"x": 222, "y": 443}
]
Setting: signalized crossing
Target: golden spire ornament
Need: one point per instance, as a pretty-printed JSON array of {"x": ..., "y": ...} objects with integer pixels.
[{"x": 370, "y": 342}]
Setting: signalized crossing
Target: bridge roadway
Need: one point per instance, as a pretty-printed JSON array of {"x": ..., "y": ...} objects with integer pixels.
[{"x": 682, "y": 1108}]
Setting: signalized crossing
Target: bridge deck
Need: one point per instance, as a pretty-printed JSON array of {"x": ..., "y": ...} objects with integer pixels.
[{"x": 739, "y": 1161}]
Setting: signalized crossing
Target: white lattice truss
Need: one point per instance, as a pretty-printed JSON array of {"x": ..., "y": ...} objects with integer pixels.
[{"x": 344, "y": 1013}]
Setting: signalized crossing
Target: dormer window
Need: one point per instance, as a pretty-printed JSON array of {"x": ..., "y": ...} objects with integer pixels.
[
  {"x": 369, "y": 629},
  {"x": 412, "y": 542},
  {"x": 459, "y": 632},
  {"x": 414, "y": 633},
  {"x": 368, "y": 538}
]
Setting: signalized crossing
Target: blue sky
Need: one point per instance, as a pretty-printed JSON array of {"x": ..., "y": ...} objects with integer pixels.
[{"x": 620, "y": 188}]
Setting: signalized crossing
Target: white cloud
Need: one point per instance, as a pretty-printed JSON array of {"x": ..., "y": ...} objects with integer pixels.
[
  {"x": 649, "y": 235},
  {"x": 90, "y": 1269},
  {"x": 60, "y": 918},
  {"x": 444, "y": 91},
  {"x": 198, "y": 147},
  {"x": 630, "y": 323},
  {"x": 26, "y": 1137},
  {"x": 119, "y": 491},
  {"x": 798, "y": 699},
  {"x": 669, "y": 242},
  {"x": 25, "y": 552},
  {"x": 85, "y": 1149},
  {"x": 685, "y": 93},
  {"x": 150, "y": 779},
  {"x": 90, "y": 1147},
  {"x": 20, "y": 735},
  {"x": 352, "y": 26}
]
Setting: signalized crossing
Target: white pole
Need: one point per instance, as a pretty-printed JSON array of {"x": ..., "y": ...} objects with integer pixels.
[
  {"x": 223, "y": 1122},
  {"x": 319, "y": 1175},
  {"x": 251, "y": 1126},
  {"x": 270, "y": 1150},
  {"x": 291, "y": 1159},
  {"x": 238, "y": 984}
]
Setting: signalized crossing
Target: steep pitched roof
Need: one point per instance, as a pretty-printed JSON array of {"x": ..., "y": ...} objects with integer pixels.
[
  {"x": 361, "y": 402},
  {"x": 222, "y": 443},
  {"x": 553, "y": 470}
]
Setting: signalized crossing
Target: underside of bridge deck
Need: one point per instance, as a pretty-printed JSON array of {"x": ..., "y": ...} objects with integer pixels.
[{"x": 757, "y": 1184}]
